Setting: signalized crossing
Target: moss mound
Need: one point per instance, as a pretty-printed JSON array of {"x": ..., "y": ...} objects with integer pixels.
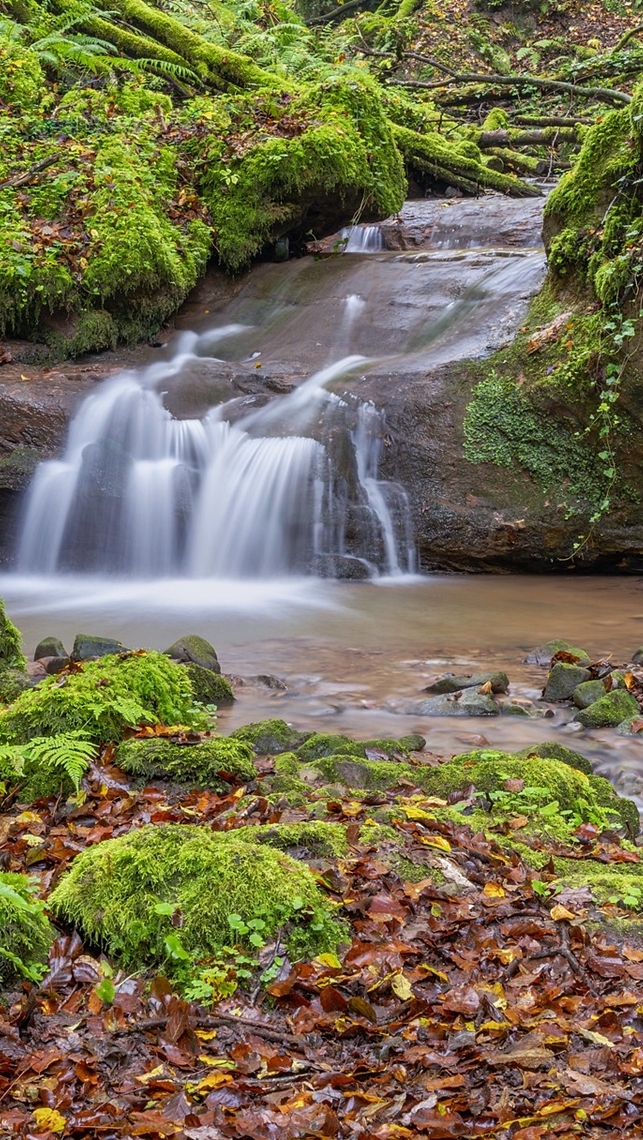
[
  {"x": 609, "y": 710},
  {"x": 328, "y": 744},
  {"x": 269, "y": 737},
  {"x": 122, "y": 894},
  {"x": 211, "y": 764},
  {"x": 354, "y": 772},
  {"x": 11, "y": 655},
  {"x": 13, "y": 682},
  {"x": 25, "y": 933},
  {"x": 308, "y": 839},
  {"x": 209, "y": 688},
  {"x": 103, "y": 698},
  {"x": 552, "y": 751}
]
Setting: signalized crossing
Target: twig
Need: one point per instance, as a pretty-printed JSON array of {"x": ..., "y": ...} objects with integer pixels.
[
  {"x": 22, "y": 179},
  {"x": 268, "y": 1031},
  {"x": 602, "y": 94}
]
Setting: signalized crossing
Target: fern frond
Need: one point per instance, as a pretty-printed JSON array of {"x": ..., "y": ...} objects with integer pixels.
[
  {"x": 176, "y": 70},
  {"x": 68, "y": 752}
]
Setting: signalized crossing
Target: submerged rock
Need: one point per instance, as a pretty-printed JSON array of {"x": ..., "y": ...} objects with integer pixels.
[
  {"x": 609, "y": 711},
  {"x": 470, "y": 703},
  {"x": 49, "y": 647},
  {"x": 563, "y": 680},
  {"x": 453, "y": 683},
  {"x": 88, "y": 646},
  {"x": 543, "y": 655},
  {"x": 192, "y": 648}
]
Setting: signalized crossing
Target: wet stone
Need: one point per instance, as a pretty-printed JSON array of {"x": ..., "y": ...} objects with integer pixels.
[
  {"x": 563, "y": 680},
  {"x": 453, "y": 683},
  {"x": 609, "y": 711},
  {"x": 543, "y": 655},
  {"x": 88, "y": 646},
  {"x": 49, "y": 647},
  {"x": 587, "y": 693},
  {"x": 470, "y": 703},
  {"x": 192, "y": 648}
]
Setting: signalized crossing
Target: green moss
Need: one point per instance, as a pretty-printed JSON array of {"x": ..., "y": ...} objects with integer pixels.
[
  {"x": 17, "y": 468},
  {"x": 620, "y": 883},
  {"x": 269, "y": 736},
  {"x": 25, "y": 933},
  {"x": 11, "y": 655},
  {"x": 113, "y": 891},
  {"x": 411, "y": 872},
  {"x": 374, "y": 834},
  {"x": 371, "y": 775},
  {"x": 549, "y": 750},
  {"x": 328, "y": 744},
  {"x": 211, "y": 764},
  {"x": 102, "y": 698},
  {"x": 13, "y": 682},
  {"x": 209, "y": 688},
  {"x": 317, "y": 839},
  {"x": 609, "y": 710}
]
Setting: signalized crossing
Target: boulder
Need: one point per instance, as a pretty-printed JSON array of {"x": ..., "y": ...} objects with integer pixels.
[
  {"x": 453, "y": 683},
  {"x": 88, "y": 646},
  {"x": 562, "y": 681},
  {"x": 192, "y": 648},
  {"x": 544, "y": 653},
  {"x": 270, "y": 737},
  {"x": 609, "y": 711},
  {"x": 209, "y": 688},
  {"x": 470, "y": 703},
  {"x": 49, "y": 647},
  {"x": 550, "y": 750},
  {"x": 637, "y": 656},
  {"x": 54, "y": 665},
  {"x": 587, "y": 693}
]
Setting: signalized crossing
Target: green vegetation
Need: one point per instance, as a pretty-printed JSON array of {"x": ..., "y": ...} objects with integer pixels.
[
  {"x": 209, "y": 688},
  {"x": 11, "y": 655},
  {"x": 25, "y": 933},
  {"x": 213, "y": 764},
  {"x": 269, "y": 736},
  {"x": 122, "y": 894}
]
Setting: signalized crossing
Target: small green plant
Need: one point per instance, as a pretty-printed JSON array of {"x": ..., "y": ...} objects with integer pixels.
[{"x": 25, "y": 933}]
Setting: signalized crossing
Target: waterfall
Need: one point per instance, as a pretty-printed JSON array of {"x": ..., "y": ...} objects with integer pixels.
[
  {"x": 289, "y": 488},
  {"x": 362, "y": 239}
]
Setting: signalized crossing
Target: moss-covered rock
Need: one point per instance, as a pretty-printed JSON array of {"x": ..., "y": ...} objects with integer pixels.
[
  {"x": 328, "y": 744},
  {"x": 25, "y": 933},
  {"x": 371, "y": 775},
  {"x": 88, "y": 646},
  {"x": 453, "y": 682},
  {"x": 270, "y": 736},
  {"x": 414, "y": 742},
  {"x": 122, "y": 893},
  {"x": 307, "y": 840},
  {"x": 562, "y": 681},
  {"x": 102, "y": 699},
  {"x": 610, "y": 710},
  {"x": 191, "y": 648},
  {"x": 587, "y": 693},
  {"x": 13, "y": 682},
  {"x": 11, "y": 655},
  {"x": 49, "y": 647},
  {"x": 544, "y": 653},
  {"x": 208, "y": 687},
  {"x": 214, "y": 764},
  {"x": 550, "y": 750}
]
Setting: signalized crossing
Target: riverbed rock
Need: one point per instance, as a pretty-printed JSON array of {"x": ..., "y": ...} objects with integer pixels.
[
  {"x": 543, "y": 655},
  {"x": 470, "y": 703},
  {"x": 454, "y": 682},
  {"x": 587, "y": 693},
  {"x": 270, "y": 737},
  {"x": 88, "y": 646},
  {"x": 194, "y": 648},
  {"x": 49, "y": 647},
  {"x": 551, "y": 750},
  {"x": 609, "y": 711},
  {"x": 208, "y": 687},
  {"x": 13, "y": 682},
  {"x": 637, "y": 656},
  {"x": 563, "y": 680},
  {"x": 54, "y": 665}
]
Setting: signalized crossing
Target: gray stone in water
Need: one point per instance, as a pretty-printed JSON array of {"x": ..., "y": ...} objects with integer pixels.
[
  {"x": 508, "y": 708},
  {"x": 586, "y": 693},
  {"x": 562, "y": 681},
  {"x": 54, "y": 665},
  {"x": 544, "y": 653},
  {"x": 471, "y": 703},
  {"x": 637, "y": 656},
  {"x": 49, "y": 647},
  {"x": 87, "y": 646},
  {"x": 191, "y": 647},
  {"x": 414, "y": 742},
  {"x": 453, "y": 682},
  {"x": 609, "y": 711}
]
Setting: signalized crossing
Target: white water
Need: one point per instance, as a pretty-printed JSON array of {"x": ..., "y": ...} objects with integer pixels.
[
  {"x": 147, "y": 495},
  {"x": 362, "y": 239}
]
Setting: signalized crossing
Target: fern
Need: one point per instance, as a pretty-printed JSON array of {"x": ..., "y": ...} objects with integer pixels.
[{"x": 68, "y": 754}]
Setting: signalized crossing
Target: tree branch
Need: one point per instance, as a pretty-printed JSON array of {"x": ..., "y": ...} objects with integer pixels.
[
  {"x": 602, "y": 94},
  {"x": 23, "y": 179}
]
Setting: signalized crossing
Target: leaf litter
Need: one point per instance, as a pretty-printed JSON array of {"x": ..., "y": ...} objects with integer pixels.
[{"x": 477, "y": 1005}]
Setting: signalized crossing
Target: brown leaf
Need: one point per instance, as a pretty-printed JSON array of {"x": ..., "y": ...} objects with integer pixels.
[
  {"x": 362, "y": 1008},
  {"x": 462, "y": 999}
]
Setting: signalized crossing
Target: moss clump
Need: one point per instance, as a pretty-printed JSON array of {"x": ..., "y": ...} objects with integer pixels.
[
  {"x": 269, "y": 736},
  {"x": 25, "y": 933},
  {"x": 371, "y": 775},
  {"x": 122, "y": 894},
  {"x": 374, "y": 834},
  {"x": 13, "y": 682},
  {"x": 609, "y": 710},
  {"x": 209, "y": 688},
  {"x": 211, "y": 764},
  {"x": 552, "y": 751},
  {"x": 312, "y": 840},
  {"x": 11, "y": 655},
  {"x": 328, "y": 744},
  {"x": 103, "y": 698}
]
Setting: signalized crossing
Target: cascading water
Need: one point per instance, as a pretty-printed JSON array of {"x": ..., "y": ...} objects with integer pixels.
[
  {"x": 362, "y": 239},
  {"x": 144, "y": 494}
]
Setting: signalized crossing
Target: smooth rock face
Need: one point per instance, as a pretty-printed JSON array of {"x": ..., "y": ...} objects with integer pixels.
[
  {"x": 193, "y": 648},
  {"x": 609, "y": 711},
  {"x": 88, "y": 646},
  {"x": 54, "y": 665},
  {"x": 637, "y": 657},
  {"x": 587, "y": 693},
  {"x": 49, "y": 647},
  {"x": 471, "y": 703},
  {"x": 563, "y": 680},
  {"x": 453, "y": 683},
  {"x": 543, "y": 655}
]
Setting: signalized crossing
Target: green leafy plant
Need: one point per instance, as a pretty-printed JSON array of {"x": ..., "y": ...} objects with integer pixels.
[{"x": 25, "y": 933}]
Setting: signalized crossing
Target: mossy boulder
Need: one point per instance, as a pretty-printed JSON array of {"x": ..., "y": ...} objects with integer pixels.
[
  {"x": 609, "y": 711},
  {"x": 122, "y": 893},
  {"x": 414, "y": 742},
  {"x": 328, "y": 744},
  {"x": 49, "y": 647},
  {"x": 543, "y": 655},
  {"x": 102, "y": 699},
  {"x": 307, "y": 840},
  {"x": 270, "y": 737},
  {"x": 214, "y": 764},
  {"x": 208, "y": 687},
  {"x": 87, "y": 647},
  {"x": 11, "y": 655},
  {"x": 453, "y": 682},
  {"x": 13, "y": 682},
  {"x": 25, "y": 933},
  {"x": 196, "y": 650},
  {"x": 550, "y": 750},
  {"x": 562, "y": 681},
  {"x": 587, "y": 693},
  {"x": 371, "y": 775},
  {"x": 469, "y": 703}
]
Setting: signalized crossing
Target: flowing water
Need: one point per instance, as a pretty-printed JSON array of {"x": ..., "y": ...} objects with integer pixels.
[{"x": 222, "y": 489}]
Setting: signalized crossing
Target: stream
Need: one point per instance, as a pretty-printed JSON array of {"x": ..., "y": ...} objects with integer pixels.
[{"x": 228, "y": 484}]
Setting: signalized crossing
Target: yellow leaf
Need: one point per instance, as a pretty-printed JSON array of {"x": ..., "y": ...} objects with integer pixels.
[
  {"x": 214, "y": 1081},
  {"x": 219, "y": 1062},
  {"x": 494, "y": 891},
  {"x": 595, "y": 1038},
  {"x": 331, "y": 961},
  {"x": 28, "y": 817},
  {"x": 206, "y": 1034},
  {"x": 49, "y": 1120},
  {"x": 401, "y": 987},
  {"x": 31, "y": 840},
  {"x": 558, "y": 913},
  {"x": 152, "y": 1075},
  {"x": 436, "y": 841},
  {"x": 494, "y": 1026},
  {"x": 417, "y": 813},
  {"x": 432, "y": 970}
]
